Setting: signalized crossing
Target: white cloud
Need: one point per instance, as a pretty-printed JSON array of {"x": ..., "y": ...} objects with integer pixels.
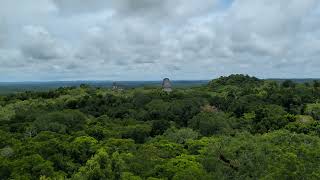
[
  {"x": 125, "y": 39},
  {"x": 139, "y": 9},
  {"x": 39, "y": 44},
  {"x": 3, "y": 33},
  {"x": 10, "y": 58}
]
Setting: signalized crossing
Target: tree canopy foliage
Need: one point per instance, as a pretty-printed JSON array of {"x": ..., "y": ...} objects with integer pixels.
[{"x": 236, "y": 127}]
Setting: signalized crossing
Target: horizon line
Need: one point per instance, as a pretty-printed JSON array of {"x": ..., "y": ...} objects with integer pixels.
[{"x": 48, "y": 81}]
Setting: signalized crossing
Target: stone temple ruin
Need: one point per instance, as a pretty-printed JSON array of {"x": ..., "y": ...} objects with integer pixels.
[
  {"x": 166, "y": 85},
  {"x": 116, "y": 87}
]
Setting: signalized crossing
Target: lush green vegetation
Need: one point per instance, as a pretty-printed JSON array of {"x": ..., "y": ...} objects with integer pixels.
[{"x": 236, "y": 127}]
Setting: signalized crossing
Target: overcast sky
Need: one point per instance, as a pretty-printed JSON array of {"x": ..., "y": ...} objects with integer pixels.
[{"x": 152, "y": 39}]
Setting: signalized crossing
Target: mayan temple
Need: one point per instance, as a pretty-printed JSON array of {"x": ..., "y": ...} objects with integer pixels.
[{"x": 166, "y": 85}]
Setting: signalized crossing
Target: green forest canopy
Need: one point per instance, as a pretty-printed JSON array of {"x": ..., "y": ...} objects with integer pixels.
[{"x": 236, "y": 127}]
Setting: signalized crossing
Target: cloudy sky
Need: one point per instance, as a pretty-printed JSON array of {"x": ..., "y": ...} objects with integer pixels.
[{"x": 151, "y": 39}]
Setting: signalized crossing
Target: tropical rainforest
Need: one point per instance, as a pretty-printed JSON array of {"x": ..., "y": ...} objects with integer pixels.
[{"x": 235, "y": 127}]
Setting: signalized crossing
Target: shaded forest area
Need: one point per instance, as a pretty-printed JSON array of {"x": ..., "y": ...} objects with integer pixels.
[{"x": 236, "y": 127}]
